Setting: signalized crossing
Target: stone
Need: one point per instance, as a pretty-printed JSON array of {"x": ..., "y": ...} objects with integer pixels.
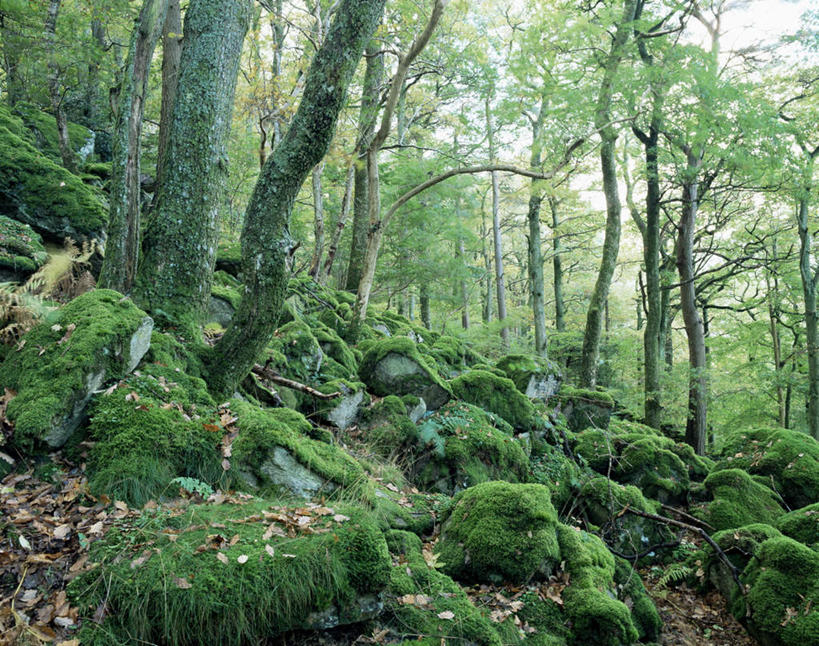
[
  {"x": 283, "y": 470},
  {"x": 535, "y": 377}
]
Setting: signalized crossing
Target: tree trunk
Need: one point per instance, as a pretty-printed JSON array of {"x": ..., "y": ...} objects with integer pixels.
[
  {"x": 122, "y": 247},
  {"x": 695, "y": 430},
  {"x": 534, "y": 242},
  {"x": 180, "y": 241},
  {"x": 611, "y": 244},
  {"x": 776, "y": 342},
  {"x": 318, "y": 220},
  {"x": 464, "y": 288},
  {"x": 54, "y": 91},
  {"x": 171, "y": 54},
  {"x": 266, "y": 238},
  {"x": 340, "y": 224},
  {"x": 370, "y": 94},
  {"x": 557, "y": 266},
  {"x": 426, "y": 319},
  {"x": 497, "y": 240},
  {"x": 809, "y": 291},
  {"x": 487, "y": 267}
]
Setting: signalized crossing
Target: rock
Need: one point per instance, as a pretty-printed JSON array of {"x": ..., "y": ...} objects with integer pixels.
[
  {"x": 495, "y": 394},
  {"x": 801, "y": 524},
  {"x": 346, "y": 411},
  {"x": 417, "y": 411},
  {"x": 535, "y": 377},
  {"x": 220, "y": 311},
  {"x": 361, "y": 609},
  {"x": 281, "y": 469},
  {"x": 499, "y": 531},
  {"x": 395, "y": 367},
  {"x": 586, "y": 408},
  {"x": 21, "y": 250},
  {"x": 380, "y": 327},
  {"x": 296, "y": 352},
  {"x": 388, "y": 429},
  {"x": 738, "y": 500},
  {"x": 98, "y": 337}
]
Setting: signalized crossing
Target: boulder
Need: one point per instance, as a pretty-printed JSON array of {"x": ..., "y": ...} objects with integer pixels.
[
  {"x": 536, "y": 377},
  {"x": 21, "y": 250},
  {"x": 393, "y": 366},
  {"x": 343, "y": 411},
  {"x": 586, "y": 408},
  {"x": 98, "y": 337},
  {"x": 388, "y": 430},
  {"x": 801, "y": 524},
  {"x": 738, "y": 500},
  {"x": 296, "y": 352},
  {"x": 497, "y": 395}
]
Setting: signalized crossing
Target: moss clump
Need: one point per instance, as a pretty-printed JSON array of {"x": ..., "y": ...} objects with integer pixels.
[
  {"x": 414, "y": 512},
  {"x": 525, "y": 370},
  {"x": 420, "y": 621},
  {"x": 461, "y": 446},
  {"x": 563, "y": 477},
  {"x": 596, "y": 615},
  {"x": 586, "y": 408},
  {"x": 43, "y": 127},
  {"x": 150, "y": 429},
  {"x": 801, "y": 524},
  {"x": 37, "y": 191},
  {"x": 738, "y": 500},
  {"x": 335, "y": 348},
  {"x": 499, "y": 531},
  {"x": 782, "y": 582},
  {"x": 495, "y": 394},
  {"x": 295, "y": 352},
  {"x": 387, "y": 429},
  {"x": 227, "y": 288},
  {"x": 263, "y": 431},
  {"x": 656, "y": 469},
  {"x": 632, "y": 593},
  {"x": 179, "y": 581},
  {"x": 55, "y": 372},
  {"x": 21, "y": 248},
  {"x": 229, "y": 257},
  {"x": 789, "y": 458},
  {"x": 393, "y": 366}
]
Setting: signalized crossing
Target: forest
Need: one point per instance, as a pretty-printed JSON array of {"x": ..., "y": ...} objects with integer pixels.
[{"x": 343, "y": 322}]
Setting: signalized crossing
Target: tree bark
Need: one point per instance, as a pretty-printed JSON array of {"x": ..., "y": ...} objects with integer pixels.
[
  {"x": 426, "y": 319},
  {"x": 171, "y": 54},
  {"x": 318, "y": 220},
  {"x": 464, "y": 288},
  {"x": 340, "y": 224},
  {"x": 695, "y": 430},
  {"x": 808, "y": 276},
  {"x": 611, "y": 244},
  {"x": 534, "y": 242},
  {"x": 557, "y": 267},
  {"x": 54, "y": 91},
  {"x": 497, "y": 239},
  {"x": 122, "y": 247},
  {"x": 180, "y": 241},
  {"x": 266, "y": 240}
]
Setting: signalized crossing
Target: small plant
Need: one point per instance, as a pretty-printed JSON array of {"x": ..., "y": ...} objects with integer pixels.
[
  {"x": 193, "y": 486},
  {"x": 674, "y": 573}
]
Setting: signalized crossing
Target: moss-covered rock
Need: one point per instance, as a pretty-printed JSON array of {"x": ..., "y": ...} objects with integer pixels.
[
  {"x": 393, "y": 366},
  {"x": 782, "y": 582},
  {"x": 586, "y": 408},
  {"x": 43, "y": 128},
  {"x": 461, "y": 446},
  {"x": 152, "y": 428},
  {"x": 21, "y": 250},
  {"x": 417, "y": 594},
  {"x": 98, "y": 337},
  {"x": 225, "y": 295},
  {"x": 274, "y": 450},
  {"x": 499, "y": 531},
  {"x": 656, "y": 469},
  {"x": 229, "y": 257},
  {"x": 562, "y": 475},
  {"x": 37, "y": 191},
  {"x": 534, "y": 376},
  {"x": 294, "y": 352},
  {"x": 738, "y": 500},
  {"x": 337, "y": 349},
  {"x": 789, "y": 458},
  {"x": 495, "y": 394},
  {"x": 388, "y": 430},
  {"x": 233, "y": 573},
  {"x": 342, "y": 411},
  {"x": 801, "y": 524},
  {"x": 632, "y": 592}
]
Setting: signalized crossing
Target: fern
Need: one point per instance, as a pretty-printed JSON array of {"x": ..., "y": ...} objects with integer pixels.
[
  {"x": 192, "y": 486},
  {"x": 675, "y": 573}
]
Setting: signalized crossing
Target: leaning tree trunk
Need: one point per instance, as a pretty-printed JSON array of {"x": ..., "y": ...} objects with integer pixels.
[
  {"x": 318, "y": 220},
  {"x": 611, "y": 243},
  {"x": 175, "y": 276},
  {"x": 806, "y": 271},
  {"x": 266, "y": 241},
  {"x": 535, "y": 251},
  {"x": 122, "y": 247},
  {"x": 695, "y": 429}
]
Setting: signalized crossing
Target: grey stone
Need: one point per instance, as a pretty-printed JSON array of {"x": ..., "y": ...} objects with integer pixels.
[
  {"x": 344, "y": 414},
  {"x": 542, "y": 387},
  {"x": 418, "y": 412},
  {"x": 282, "y": 469},
  {"x": 404, "y": 376},
  {"x": 220, "y": 311},
  {"x": 380, "y": 327},
  {"x": 363, "y": 608}
]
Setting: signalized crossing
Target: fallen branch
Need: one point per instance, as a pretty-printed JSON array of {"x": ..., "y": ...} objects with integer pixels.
[
  {"x": 695, "y": 521},
  {"x": 267, "y": 373}
]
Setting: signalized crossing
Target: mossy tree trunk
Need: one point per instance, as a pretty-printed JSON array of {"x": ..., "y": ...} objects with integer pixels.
[
  {"x": 534, "y": 242},
  {"x": 171, "y": 56},
  {"x": 497, "y": 238},
  {"x": 426, "y": 318},
  {"x": 343, "y": 216},
  {"x": 174, "y": 278},
  {"x": 122, "y": 246},
  {"x": 318, "y": 220},
  {"x": 266, "y": 241},
  {"x": 55, "y": 90},
  {"x": 463, "y": 287},
  {"x": 611, "y": 243},
  {"x": 367, "y": 119},
  {"x": 557, "y": 268}
]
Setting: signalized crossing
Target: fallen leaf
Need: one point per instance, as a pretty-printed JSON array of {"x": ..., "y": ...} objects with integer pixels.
[
  {"x": 182, "y": 583},
  {"x": 446, "y": 614},
  {"x": 61, "y": 532},
  {"x": 269, "y": 549},
  {"x": 340, "y": 518},
  {"x": 242, "y": 558},
  {"x": 23, "y": 542},
  {"x": 222, "y": 557}
]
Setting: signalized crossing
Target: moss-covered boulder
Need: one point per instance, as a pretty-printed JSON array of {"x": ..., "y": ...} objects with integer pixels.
[
  {"x": 239, "y": 574},
  {"x": 789, "y": 458},
  {"x": 495, "y": 394},
  {"x": 295, "y": 352},
  {"x": 738, "y": 500},
  {"x": 782, "y": 583},
  {"x": 461, "y": 445},
  {"x": 393, "y": 366},
  {"x": 499, "y": 531},
  {"x": 335, "y": 348},
  {"x": 632, "y": 592},
  {"x": 274, "y": 450},
  {"x": 229, "y": 257},
  {"x": 44, "y": 135},
  {"x": 344, "y": 410},
  {"x": 388, "y": 430},
  {"x": 586, "y": 408},
  {"x": 801, "y": 524},
  {"x": 98, "y": 337},
  {"x": 536, "y": 377},
  {"x": 225, "y": 295},
  {"x": 150, "y": 429},
  {"x": 21, "y": 250},
  {"x": 37, "y": 191}
]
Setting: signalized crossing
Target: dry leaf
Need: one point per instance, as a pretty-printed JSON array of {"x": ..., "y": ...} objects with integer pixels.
[
  {"x": 242, "y": 558},
  {"x": 269, "y": 549},
  {"x": 446, "y": 614},
  {"x": 61, "y": 532},
  {"x": 222, "y": 557},
  {"x": 182, "y": 583}
]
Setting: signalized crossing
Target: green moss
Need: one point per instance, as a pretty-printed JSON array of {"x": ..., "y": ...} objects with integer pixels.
[
  {"x": 227, "y": 288},
  {"x": 462, "y": 445},
  {"x": 335, "y": 347},
  {"x": 51, "y": 378},
  {"x": 655, "y": 469},
  {"x": 632, "y": 593},
  {"x": 100, "y": 170},
  {"x": 43, "y": 127},
  {"x": 782, "y": 583},
  {"x": 261, "y": 431},
  {"x": 21, "y": 248},
  {"x": 153, "y": 427},
  {"x": 597, "y": 397},
  {"x": 295, "y": 352},
  {"x": 789, "y": 458},
  {"x": 563, "y": 477},
  {"x": 495, "y": 394},
  {"x": 801, "y": 524},
  {"x": 43, "y": 194},
  {"x": 739, "y": 544},
  {"x": 499, "y": 531},
  {"x": 411, "y": 621},
  {"x": 414, "y": 512},
  {"x": 738, "y": 501},
  {"x": 229, "y": 257},
  {"x": 328, "y": 564},
  {"x": 520, "y": 368},
  {"x": 387, "y": 429},
  {"x": 586, "y": 408}
]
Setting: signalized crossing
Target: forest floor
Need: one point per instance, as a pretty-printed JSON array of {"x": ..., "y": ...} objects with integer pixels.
[{"x": 49, "y": 521}]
